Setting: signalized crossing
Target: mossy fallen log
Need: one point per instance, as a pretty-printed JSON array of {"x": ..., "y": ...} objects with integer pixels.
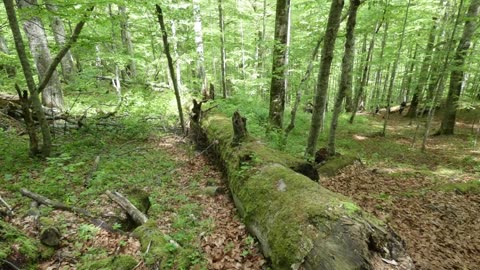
[{"x": 299, "y": 224}]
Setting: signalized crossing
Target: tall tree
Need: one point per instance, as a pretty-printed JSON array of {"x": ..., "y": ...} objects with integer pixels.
[
  {"x": 345, "y": 83},
  {"x": 278, "y": 83},
  {"x": 223, "y": 60},
  {"x": 197, "y": 28},
  {"x": 394, "y": 70},
  {"x": 52, "y": 96},
  {"x": 457, "y": 73},
  {"x": 9, "y": 69},
  {"x": 60, "y": 35},
  {"x": 422, "y": 77},
  {"x": 127, "y": 43},
  {"x": 166, "y": 48},
  {"x": 324, "y": 74}
]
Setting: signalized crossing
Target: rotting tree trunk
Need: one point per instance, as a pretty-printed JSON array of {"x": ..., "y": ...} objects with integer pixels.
[
  {"x": 58, "y": 28},
  {"x": 170, "y": 65},
  {"x": 279, "y": 65},
  {"x": 52, "y": 95},
  {"x": 345, "y": 85},
  {"x": 457, "y": 73},
  {"x": 323, "y": 76},
  {"x": 299, "y": 224}
]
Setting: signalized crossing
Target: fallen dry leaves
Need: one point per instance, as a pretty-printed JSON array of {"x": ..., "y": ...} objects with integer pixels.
[{"x": 440, "y": 228}]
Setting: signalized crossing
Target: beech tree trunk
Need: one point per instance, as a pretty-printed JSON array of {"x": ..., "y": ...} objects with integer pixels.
[
  {"x": 423, "y": 76},
  {"x": 166, "y": 47},
  {"x": 197, "y": 28},
  {"x": 323, "y": 75},
  {"x": 279, "y": 65},
  {"x": 60, "y": 35},
  {"x": 131, "y": 68},
  {"x": 32, "y": 88},
  {"x": 223, "y": 61},
  {"x": 345, "y": 84},
  {"x": 394, "y": 71},
  {"x": 10, "y": 70},
  {"x": 52, "y": 96},
  {"x": 456, "y": 76}
]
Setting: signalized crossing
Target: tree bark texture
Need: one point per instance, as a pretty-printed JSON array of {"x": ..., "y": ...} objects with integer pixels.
[
  {"x": 52, "y": 95},
  {"x": 299, "y": 224},
  {"x": 166, "y": 47},
  {"x": 323, "y": 75},
  {"x": 32, "y": 88},
  {"x": 279, "y": 65},
  {"x": 223, "y": 60},
  {"x": 345, "y": 84},
  {"x": 60, "y": 35},
  {"x": 457, "y": 73}
]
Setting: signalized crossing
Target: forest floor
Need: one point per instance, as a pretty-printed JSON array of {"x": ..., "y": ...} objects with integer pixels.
[{"x": 432, "y": 199}]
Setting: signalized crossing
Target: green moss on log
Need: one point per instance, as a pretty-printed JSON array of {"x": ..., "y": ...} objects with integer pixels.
[
  {"x": 298, "y": 222},
  {"x": 20, "y": 249},
  {"x": 335, "y": 164},
  {"x": 156, "y": 242}
]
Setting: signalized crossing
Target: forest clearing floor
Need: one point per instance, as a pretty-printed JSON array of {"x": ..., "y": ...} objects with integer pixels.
[
  {"x": 432, "y": 199},
  {"x": 189, "y": 201}
]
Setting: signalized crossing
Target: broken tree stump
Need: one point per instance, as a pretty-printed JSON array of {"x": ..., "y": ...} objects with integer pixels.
[
  {"x": 299, "y": 224},
  {"x": 239, "y": 128}
]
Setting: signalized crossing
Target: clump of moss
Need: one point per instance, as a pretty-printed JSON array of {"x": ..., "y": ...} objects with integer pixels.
[
  {"x": 18, "y": 248},
  {"x": 150, "y": 237},
  {"x": 335, "y": 164},
  {"x": 120, "y": 262}
]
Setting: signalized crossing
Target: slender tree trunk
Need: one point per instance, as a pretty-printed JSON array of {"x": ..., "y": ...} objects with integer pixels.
[
  {"x": 166, "y": 47},
  {"x": 457, "y": 73},
  {"x": 394, "y": 71},
  {"x": 131, "y": 68},
  {"x": 379, "y": 74},
  {"x": 59, "y": 33},
  {"x": 345, "y": 83},
  {"x": 351, "y": 94},
  {"x": 32, "y": 88},
  {"x": 178, "y": 73},
  {"x": 197, "y": 27},
  {"x": 323, "y": 75},
  {"x": 365, "y": 72},
  {"x": 52, "y": 96},
  {"x": 410, "y": 71},
  {"x": 278, "y": 84},
  {"x": 223, "y": 61},
  {"x": 423, "y": 76}
]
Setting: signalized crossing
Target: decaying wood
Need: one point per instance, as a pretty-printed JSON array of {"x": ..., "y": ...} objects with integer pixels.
[
  {"x": 60, "y": 206},
  {"x": 299, "y": 224},
  {"x": 196, "y": 111},
  {"x": 54, "y": 204},
  {"x": 139, "y": 217},
  {"x": 239, "y": 128},
  {"x": 9, "y": 98},
  {"x": 9, "y": 208}
]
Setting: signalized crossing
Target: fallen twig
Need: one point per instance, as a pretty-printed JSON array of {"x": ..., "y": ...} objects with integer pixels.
[
  {"x": 9, "y": 208},
  {"x": 137, "y": 216}
]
